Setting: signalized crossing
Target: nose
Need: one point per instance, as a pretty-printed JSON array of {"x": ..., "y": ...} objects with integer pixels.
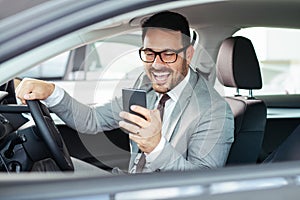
[{"x": 157, "y": 61}]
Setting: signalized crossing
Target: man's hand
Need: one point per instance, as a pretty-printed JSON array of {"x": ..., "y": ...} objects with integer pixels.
[
  {"x": 145, "y": 132},
  {"x": 30, "y": 89}
]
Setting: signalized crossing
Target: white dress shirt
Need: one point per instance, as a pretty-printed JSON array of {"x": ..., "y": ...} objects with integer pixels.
[{"x": 169, "y": 107}]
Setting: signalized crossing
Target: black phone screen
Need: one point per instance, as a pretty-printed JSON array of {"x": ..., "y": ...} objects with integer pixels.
[{"x": 133, "y": 97}]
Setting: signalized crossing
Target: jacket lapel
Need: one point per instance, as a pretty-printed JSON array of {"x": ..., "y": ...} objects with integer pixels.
[
  {"x": 181, "y": 105},
  {"x": 184, "y": 99}
]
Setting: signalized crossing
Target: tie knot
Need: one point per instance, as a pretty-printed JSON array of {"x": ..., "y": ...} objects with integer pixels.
[{"x": 163, "y": 100}]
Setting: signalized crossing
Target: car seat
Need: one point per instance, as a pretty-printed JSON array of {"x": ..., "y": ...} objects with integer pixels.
[
  {"x": 288, "y": 150},
  {"x": 238, "y": 67}
]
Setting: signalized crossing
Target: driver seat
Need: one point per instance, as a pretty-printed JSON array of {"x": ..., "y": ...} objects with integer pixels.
[{"x": 238, "y": 67}]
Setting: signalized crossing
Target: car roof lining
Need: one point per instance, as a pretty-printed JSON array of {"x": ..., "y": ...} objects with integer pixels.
[{"x": 244, "y": 13}]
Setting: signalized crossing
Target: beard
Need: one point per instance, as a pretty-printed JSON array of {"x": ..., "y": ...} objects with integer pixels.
[{"x": 165, "y": 79}]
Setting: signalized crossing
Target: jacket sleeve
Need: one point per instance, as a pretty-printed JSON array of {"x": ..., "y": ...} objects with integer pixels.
[{"x": 88, "y": 119}]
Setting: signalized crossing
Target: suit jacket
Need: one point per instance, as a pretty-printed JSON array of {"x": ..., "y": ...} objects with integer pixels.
[{"x": 201, "y": 132}]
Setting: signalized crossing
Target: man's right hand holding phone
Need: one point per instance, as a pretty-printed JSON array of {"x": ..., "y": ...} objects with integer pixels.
[{"x": 146, "y": 132}]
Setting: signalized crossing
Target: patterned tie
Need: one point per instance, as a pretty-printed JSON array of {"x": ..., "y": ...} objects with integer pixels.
[{"x": 161, "y": 107}]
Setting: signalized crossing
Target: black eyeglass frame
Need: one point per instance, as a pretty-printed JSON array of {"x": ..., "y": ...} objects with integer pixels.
[{"x": 159, "y": 53}]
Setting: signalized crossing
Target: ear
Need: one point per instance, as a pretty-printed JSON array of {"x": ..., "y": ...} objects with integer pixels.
[{"x": 189, "y": 54}]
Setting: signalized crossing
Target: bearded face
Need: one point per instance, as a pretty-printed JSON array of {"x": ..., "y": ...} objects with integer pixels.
[{"x": 166, "y": 75}]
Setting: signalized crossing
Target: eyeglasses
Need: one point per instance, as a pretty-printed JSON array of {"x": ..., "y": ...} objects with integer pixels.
[{"x": 167, "y": 56}]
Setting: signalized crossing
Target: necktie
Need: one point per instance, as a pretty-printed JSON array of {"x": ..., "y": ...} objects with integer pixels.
[{"x": 161, "y": 107}]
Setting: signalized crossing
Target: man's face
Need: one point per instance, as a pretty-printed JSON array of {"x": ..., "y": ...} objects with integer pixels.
[{"x": 165, "y": 76}]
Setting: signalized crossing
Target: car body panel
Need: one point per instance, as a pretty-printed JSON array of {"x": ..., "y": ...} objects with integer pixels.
[{"x": 28, "y": 39}]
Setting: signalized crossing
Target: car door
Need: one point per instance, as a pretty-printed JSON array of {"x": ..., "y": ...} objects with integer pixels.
[{"x": 90, "y": 74}]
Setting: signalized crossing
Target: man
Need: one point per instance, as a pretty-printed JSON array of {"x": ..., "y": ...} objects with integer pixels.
[{"x": 197, "y": 127}]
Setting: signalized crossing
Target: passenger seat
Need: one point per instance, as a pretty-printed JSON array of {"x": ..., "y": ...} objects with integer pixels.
[{"x": 238, "y": 67}]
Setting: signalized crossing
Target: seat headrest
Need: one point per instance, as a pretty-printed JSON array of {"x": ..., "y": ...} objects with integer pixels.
[{"x": 237, "y": 64}]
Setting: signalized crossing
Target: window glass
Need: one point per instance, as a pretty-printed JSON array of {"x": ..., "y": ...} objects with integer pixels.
[
  {"x": 51, "y": 69},
  {"x": 116, "y": 56},
  {"x": 107, "y": 59},
  {"x": 95, "y": 72},
  {"x": 277, "y": 50},
  {"x": 121, "y": 66},
  {"x": 117, "y": 59}
]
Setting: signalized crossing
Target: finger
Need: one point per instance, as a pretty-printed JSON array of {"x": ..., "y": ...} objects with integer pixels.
[
  {"x": 23, "y": 89},
  {"x": 138, "y": 140},
  {"x": 142, "y": 144},
  {"x": 134, "y": 137},
  {"x": 30, "y": 96},
  {"x": 24, "y": 96},
  {"x": 155, "y": 114},
  {"x": 23, "y": 102},
  {"x": 17, "y": 90},
  {"x": 150, "y": 115},
  {"x": 130, "y": 127},
  {"x": 141, "y": 110},
  {"x": 141, "y": 122}
]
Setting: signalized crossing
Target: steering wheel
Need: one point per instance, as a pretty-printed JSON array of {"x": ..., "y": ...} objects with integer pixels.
[{"x": 50, "y": 135}]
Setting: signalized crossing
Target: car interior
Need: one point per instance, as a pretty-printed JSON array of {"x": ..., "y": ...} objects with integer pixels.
[{"x": 232, "y": 60}]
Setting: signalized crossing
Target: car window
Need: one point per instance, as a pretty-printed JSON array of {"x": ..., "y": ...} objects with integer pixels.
[
  {"x": 115, "y": 60},
  {"x": 117, "y": 55},
  {"x": 91, "y": 73},
  {"x": 120, "y": 66},
  {"x": 277, "y": 50},
  {"x": 53, "y": 68}
]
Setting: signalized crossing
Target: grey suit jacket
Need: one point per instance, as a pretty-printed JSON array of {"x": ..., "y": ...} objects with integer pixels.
[{"x": 201, "y": 132}]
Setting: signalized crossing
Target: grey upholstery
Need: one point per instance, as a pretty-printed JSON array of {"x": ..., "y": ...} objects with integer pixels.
[{"x": 238, "y": 67}]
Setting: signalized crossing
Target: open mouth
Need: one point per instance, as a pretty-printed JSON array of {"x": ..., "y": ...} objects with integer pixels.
[{"x": 161, "y": 77}]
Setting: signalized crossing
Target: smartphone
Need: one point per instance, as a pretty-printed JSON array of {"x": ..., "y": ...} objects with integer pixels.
[{"x": 133, "y": 97}]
